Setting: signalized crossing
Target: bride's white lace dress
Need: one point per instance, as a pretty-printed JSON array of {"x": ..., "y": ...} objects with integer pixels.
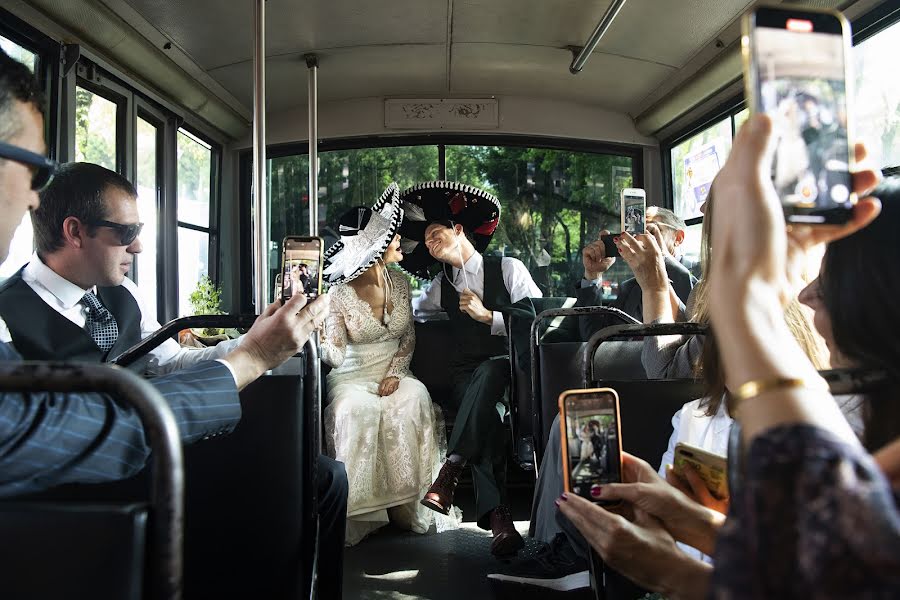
[{"x": 392, "y": 446}]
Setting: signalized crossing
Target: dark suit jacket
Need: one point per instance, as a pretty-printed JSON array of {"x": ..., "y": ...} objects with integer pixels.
[
  {"x": 630, "y": 299},
  {"x": 48, "y": 439}
]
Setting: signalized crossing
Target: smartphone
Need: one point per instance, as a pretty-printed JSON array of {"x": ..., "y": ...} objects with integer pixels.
[
  {"x": 591, "y": 440},
  {"x": 301, "y": 267},
  {"x": 610, "y": 249},
  {"x": 712, "y": 468},
  {"x": 795, "y": 70},
  {"x": 633, "y": 210}
]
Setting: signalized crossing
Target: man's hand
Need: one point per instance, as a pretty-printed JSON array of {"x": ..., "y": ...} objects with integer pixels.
[
  {"x": 471, "y": 304},
  {"x": 643, "y": 255},
  {"x": 594, "y": 259},
  {"x": 388, "y": 386},
  {"x": 278, "y": 334}
]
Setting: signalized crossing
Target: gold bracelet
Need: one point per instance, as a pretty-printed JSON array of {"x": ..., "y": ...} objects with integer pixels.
[{"x": 757, "y": 387}]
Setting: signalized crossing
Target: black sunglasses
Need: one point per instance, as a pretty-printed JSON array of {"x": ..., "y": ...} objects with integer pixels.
[
  {"x": 127, "y": 233},
  {"x": 42, "y": 168}
]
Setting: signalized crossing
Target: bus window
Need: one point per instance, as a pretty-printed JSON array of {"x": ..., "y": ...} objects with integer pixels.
[
  {"x": 554, "y": 203},
  {"x": 95, "y": 129},
  {"x": 194, "y": 175},
  {"x": 878, "y": 96},
  {"x": 148, "y": 194}
]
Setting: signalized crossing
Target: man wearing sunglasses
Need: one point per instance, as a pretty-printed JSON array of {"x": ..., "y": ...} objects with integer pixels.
[
  {"x": 86, "y": 232},
  {"x": 50, "y": 439}
]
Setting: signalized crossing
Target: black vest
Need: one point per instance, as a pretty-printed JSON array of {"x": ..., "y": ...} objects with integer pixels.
[
  {"x": 473, "y": 339},
  {"x": 40, "y": 333}
]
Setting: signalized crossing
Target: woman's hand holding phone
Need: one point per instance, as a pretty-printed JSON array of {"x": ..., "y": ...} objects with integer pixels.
[{"x": 687, "y": 520}]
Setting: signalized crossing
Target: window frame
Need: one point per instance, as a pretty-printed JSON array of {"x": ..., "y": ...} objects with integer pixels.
[
  {"x": 863, "y": 28},
  {"x": 441, "y": 140}
]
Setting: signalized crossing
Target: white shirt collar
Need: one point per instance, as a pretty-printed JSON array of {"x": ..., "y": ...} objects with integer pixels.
[
  {"x": 472, "y": 266},
  {"x": 68, "y": 293}
]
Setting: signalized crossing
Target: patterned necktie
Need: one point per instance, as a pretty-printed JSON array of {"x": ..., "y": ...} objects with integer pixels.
[{"x": 100, "y": 323}]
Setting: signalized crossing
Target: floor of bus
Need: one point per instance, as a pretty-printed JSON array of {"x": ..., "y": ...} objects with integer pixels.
[{"x": 453, "y": 565}]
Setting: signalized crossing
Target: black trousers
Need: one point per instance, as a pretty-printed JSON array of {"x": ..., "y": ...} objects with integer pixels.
[
  {"x": 478, "y": 434},
  {"x": 332, "y": 491}
]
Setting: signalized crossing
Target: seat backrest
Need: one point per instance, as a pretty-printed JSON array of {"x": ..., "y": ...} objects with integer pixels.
[
  {"x": 620, "y": 360},
  {"x": 69, "y": 550},
  {"x": 431, "y": 360},
  {"x": 247, "y": 499},
  {"x": 646, "y": 409},
  {"x": 521, "y": 396},
  {"x": 560, "y": 370}
]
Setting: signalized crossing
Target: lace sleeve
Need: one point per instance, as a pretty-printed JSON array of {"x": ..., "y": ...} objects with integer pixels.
[
  {"x": 400, "y": 364},
  {"x": 334, "y": 340}
]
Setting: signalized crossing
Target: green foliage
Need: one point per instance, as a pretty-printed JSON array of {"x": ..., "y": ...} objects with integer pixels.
[
  {"x": 95, "y": 129},
  {"x": 206, "y": 298},
  {"x": 553, "y": 201}
]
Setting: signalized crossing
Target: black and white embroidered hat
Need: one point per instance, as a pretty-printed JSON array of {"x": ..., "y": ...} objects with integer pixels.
[
  {"x": 442, "y": 202},
  {"x": 365, "y": 235}
]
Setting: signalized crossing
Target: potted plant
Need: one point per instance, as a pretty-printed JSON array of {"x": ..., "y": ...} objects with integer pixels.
[{"x": 206, "y": 299}]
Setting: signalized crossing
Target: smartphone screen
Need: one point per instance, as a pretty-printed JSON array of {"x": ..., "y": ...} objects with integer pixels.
[
  {"x": 634, "y": 208},
  {"x": 798, "y": 66},
  {"x": 592, "y": 451},
  {"x": 301, "y": 267}
]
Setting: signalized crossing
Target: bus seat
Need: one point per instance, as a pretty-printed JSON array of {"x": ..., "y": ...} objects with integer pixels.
[
  {"x": 430, "y": 364},
  {"x": 619, "y": 359},
  {"x": 66, "y": 550},
  {"x": 520, "y": 396},
  {"x": 54, "y": 547}
]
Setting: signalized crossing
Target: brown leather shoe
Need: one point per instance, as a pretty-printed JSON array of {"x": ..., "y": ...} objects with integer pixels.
[
  {"x": 506, "y": 539},
  {"x": 440, "y": 495}
]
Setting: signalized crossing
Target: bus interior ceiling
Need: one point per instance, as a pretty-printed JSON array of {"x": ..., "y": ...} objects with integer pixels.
[{"x": 661, "y": 66}]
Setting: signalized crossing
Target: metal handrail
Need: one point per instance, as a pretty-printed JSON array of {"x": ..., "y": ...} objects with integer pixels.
[
  {"x": 161, "y": 429},
  {"x": 165, "y": 332},
  {"x": 574, "y": 311},
  {"x": 631, "y": 331}
]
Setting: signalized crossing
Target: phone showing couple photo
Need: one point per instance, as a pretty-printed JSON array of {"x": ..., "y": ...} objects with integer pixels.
[
  {"x": 591, "y": 440},
  {"x": 301, "y": 267},
  {"x": 633, "y": 215},
  {"x": 795, "y": 71}
]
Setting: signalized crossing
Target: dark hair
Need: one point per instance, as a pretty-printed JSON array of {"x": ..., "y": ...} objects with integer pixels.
[
  {"x": 860, "y": 284},
  {"x": 76, "y": 191},
  {"x": 17, "y": 84}
]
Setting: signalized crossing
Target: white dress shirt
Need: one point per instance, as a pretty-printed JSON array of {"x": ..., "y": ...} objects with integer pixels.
[
  {"x": 64, "y": 297},
  {"x": 516, "y": 278}
]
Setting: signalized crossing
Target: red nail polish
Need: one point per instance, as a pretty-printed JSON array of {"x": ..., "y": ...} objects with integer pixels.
[
  {"x": 564, "y": 497},
  {"x": 595, "y": 491},
  {"x": 556, "y": 502},
  {"x": 616, "y": 239}
]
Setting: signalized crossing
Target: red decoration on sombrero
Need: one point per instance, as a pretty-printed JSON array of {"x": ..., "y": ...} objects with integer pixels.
[
  {"x": 488, "y": 227},
  {"x": 457, "y": 203}
]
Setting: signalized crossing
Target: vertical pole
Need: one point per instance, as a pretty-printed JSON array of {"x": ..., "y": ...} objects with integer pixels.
[
  {"x": 312, "y": 64},
  {"x": 260, "y": 234}
]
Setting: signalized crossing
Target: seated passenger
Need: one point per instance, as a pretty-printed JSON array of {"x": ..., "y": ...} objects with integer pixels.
[
  {"x": 379, "y": 420},
  {"x": 668, "y": 230},
  {"x": 814, "y": 514},
  {"x": 72, "y": 302},
  {"x": 449, "y": 224}
]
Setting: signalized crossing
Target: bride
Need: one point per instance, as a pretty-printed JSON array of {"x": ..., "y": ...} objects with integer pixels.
[{"x": 379, "y": 420}]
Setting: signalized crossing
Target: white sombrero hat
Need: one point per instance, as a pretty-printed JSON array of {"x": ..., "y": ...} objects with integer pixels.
[{"x": 365, "y": 235}]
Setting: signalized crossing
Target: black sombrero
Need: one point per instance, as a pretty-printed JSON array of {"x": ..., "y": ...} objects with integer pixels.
[
  {"x": 365, "y": 235},
  {"x": 442, "y": 201}
]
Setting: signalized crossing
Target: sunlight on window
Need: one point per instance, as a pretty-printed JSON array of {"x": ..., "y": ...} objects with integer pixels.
[
  {"x": 20, "y": 250},
  {"x": 148, "y": 192},
  {"x": 193, "y": 263},
  {"x": 13, "y": 50},
  {"x": 95, "y": 129},
  {"x": 194, "y": 169},
  {"x": 695, "y": 163},
  {"x": 878, "y": 96}
]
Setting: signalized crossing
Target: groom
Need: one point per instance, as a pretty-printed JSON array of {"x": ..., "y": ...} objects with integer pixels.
[{"x": 454, "y": 222}]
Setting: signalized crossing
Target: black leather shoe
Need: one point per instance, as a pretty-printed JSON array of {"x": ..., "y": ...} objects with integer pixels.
[
  {"x": 507, "y": 540},
  {"x": 440, "y": 495}
]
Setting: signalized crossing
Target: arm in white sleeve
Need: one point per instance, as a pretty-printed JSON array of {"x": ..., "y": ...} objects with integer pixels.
[
  {"x": 519, "y": 284},
  {"x": 668, "y": 456}
]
